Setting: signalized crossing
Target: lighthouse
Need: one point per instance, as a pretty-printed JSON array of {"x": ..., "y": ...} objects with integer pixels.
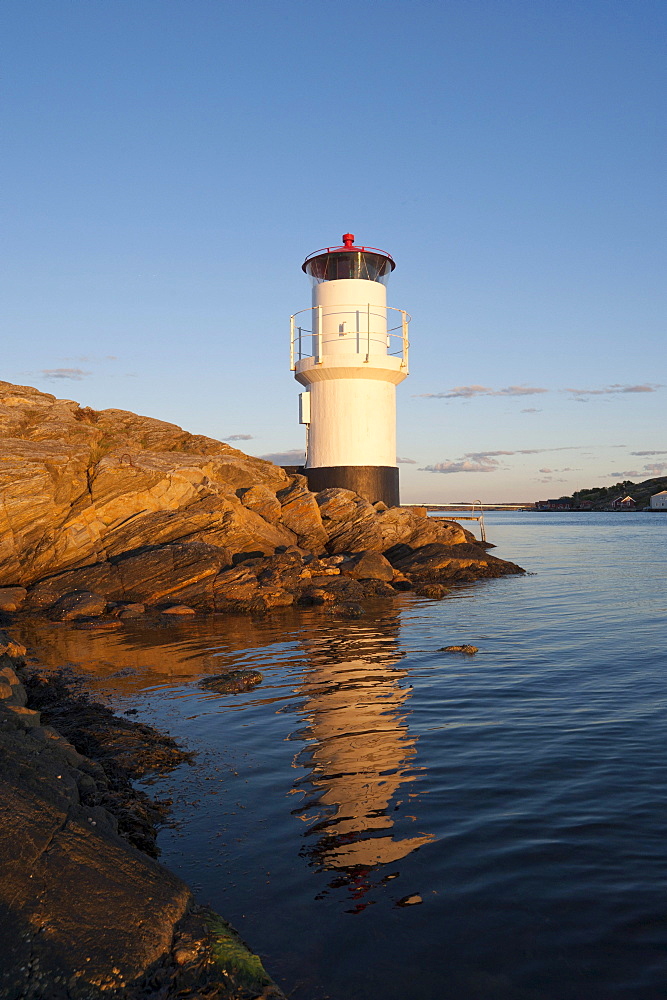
[{"x": 350, "y": 351}]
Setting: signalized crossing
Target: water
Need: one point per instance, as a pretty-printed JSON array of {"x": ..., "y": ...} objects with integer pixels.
[{"x": 382, "y": 820}]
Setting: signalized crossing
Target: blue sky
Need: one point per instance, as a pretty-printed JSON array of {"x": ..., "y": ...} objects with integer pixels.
[{"x": 168, "y": 164}]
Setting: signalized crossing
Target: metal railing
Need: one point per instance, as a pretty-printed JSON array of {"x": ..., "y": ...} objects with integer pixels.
[
  {"x": 390, "y": 342},
  {"x": 451, "y": 510}
]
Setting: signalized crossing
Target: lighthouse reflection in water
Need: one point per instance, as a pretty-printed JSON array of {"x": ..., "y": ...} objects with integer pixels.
[
  {"x": 352, "y": 780},
  {"x": 359, "y": 758}
]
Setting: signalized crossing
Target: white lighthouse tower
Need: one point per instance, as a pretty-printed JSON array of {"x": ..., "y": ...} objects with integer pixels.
[{"x": 350, "y": 351}]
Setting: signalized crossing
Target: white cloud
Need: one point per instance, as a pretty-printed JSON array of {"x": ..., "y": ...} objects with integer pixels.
[
  {"x": 618, "y": 388},
  {"x": 74, "y": 374},
  {"x": 464, "y": 465},
  {"x": 405, "y": 461},
  {"x": 239, "y": 437},
  {"x": 487, "y": 461},
  {"x": 471, "y": 391}
]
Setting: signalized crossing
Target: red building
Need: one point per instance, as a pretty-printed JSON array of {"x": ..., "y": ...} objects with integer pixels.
[{"x": 623, "y": 503}]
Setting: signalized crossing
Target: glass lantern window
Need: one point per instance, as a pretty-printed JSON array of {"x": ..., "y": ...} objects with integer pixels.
[{"x": 349, "y": 264}]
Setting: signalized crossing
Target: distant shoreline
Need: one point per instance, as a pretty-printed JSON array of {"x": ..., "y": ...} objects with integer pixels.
[{"x": 529, "y": 508}]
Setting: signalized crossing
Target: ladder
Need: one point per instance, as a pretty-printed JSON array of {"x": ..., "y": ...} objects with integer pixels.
[{"x": 472, "y": 516}]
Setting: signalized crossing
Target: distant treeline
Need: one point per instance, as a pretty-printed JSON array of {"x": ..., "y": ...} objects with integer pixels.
[{"x": 602, "y": 496}]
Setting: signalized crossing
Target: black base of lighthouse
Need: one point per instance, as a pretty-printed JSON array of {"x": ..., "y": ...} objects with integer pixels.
[{"x": 372, "y": 482}]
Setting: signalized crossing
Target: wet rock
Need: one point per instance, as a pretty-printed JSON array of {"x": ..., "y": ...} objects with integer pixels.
[
  {"x": 348, "y": 609},
  {"x": 118, "y": 752},
  {"x": 465, "y": 648},
  {"x": 341, "y": 588},
  {"x": 11, "y": 649},
  {"x": 177, "y": 609},
  {"x": 103, "y": 624},
  {"x": 275, "y": 597},
  {"x": 368, "y": 566},
  {"x": 184, "y": 570},
  {"x": 315, "y": 595},
  {"x": 12, "y": 692},
  {"x": 301, "y": 514},
  {"x": 232, "y": 682},
  {"x": 130, "y": 610},
  {"x": 434, "y": 591},
  {"x": 106, "y": 910},
  {"x": 413, "y": 900},
  {"x": 26, "y": 718},
  {"x": 248, "y": 606},
  {"x": 78, "y": 604},
  {"x": 437, "y": 562},
  {"x": 260, "y": 584},
  {"x": 378, "y": 588},
  {"x": 11, "y": 598},
  {"x": 83, "y": 913}
]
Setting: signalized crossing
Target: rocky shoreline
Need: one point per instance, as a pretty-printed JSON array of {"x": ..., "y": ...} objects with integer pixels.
[
  {"x": 86, "y": 912},
  {"x": 107, "y": 517},
  {"x": 106, "y": 512}
]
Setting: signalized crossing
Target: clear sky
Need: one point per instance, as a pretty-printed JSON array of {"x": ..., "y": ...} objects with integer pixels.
[{"x": 168, "y": 164}]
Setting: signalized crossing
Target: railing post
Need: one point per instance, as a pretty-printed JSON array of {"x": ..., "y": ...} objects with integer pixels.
[
  {"x": 406, "y": 343},
  {"x": 318, "y": 359},
  {"x": 291, "y": 343}
]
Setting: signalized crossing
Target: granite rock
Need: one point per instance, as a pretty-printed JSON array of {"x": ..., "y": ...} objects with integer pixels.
[
  {"x": 301, "y": 514},
  {"x": 78, "y": 486},
  {"x": 11, "y": 598},
  {"x": 77, "y": 604},
  {"x": 439, "y": 563},
  {"x": 183, "y": 572},
  {"x": 263, "y": 501},
  {"x": 368, "y": 566}
]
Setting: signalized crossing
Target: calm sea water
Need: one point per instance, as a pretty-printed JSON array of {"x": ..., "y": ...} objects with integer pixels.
[{"x": 382, "y": 820}]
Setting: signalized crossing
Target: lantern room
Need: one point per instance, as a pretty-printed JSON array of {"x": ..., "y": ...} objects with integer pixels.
[{"x": 349, "y": 262}]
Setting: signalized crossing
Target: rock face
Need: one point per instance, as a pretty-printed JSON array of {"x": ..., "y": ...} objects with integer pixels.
[
  {"x": 301, "y": 513},
  {"x": 355, "y": 525},
  {"x": 164, "y": 573},
  {"x": 105, "y": 508},
  {"x": 78, "y": 486},
  {"x": 368, "y": 566},
  {"x": 83, "y": 912}
]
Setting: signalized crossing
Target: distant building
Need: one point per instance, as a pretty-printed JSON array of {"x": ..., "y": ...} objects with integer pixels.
[
  {"x": 623, "y": 503},
  {"x": 553, "y": 505},
  {"x": 659, "y": 501}
]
